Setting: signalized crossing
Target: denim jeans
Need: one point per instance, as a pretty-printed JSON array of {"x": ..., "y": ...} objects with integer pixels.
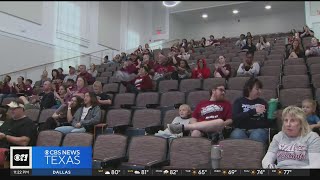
[
  {"x": 260, "y": 135},
  {"x": 69, "y": 129}
]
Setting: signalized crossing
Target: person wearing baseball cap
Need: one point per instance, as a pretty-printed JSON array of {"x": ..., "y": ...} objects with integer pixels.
[
  {"x": 72, "y": 74},
  {"x": 17, "y": 131}
]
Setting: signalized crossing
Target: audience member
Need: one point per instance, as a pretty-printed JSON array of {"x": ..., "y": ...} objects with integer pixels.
[
  {"x": 307, "y": 32},
  {"x": 17, "y": 131},
  {"x": 209, "y": 116},
  {"x": 295, "y": 146},
  {"x": 85, "y": 117},
  {"x": 63, "y": 115},
  {"x": 103, "y": 98},
  {"x": 72, "y": 74},
  {"x": 183, "y": 71},
  {"x": 221, "y": 68},
  {"x": 314, "y": 50},
  {"x": 141, "y": 83},
  {"x": 295, "y": 50},
  {"x": 242, "y": 41},
  {"x": 44, "y": 100},
  {"x": 201, "y": 71},
  {"x": 83, "y": 73},
  {"x": 250, "y": 114},
  {"x": 263, "y": 44},
  {"x": 248, "y": 67},
  {"x": 93, "y": 71},
  {"x": 249, "y": 46},
  {"x": 183, "y": 118},
  {"x": 309, "y": 106}
]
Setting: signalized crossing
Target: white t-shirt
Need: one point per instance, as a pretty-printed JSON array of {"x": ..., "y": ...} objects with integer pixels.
[{"x": 85, "y": 112}]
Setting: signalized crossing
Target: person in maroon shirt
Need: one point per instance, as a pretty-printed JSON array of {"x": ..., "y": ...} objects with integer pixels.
[
  {"x": 85, "y": 74},
  {"x": 28, "y": 88},
  {"x": 161, "y": 70},
  {"x": 6, "y": 87},
  {"x": 221, "y": 68},
  {"x": 141, "y": 83},
  {"x": 209, "y": 116},
  {"x": 19, "y": 88}
]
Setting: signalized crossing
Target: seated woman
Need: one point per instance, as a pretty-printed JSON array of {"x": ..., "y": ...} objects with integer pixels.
[
  {"x": 183, "y": 71},
  {"x": 201, "y": 71},
  {"x": 249, "y": 114},
  {"x": 314, "y": 50},
  {"x": 213, "y": 42},
  {"x": 93, "y": 71},
  {"x": 19, "y": 87},
  {"x": 295, "y": 50},
  {"x": 85, "y": 117},
  {"x": 60, "y": 96},
  {"x": 262, "y": 44},
  {"x": 306, "y": 32},
  {"x": 295, "y": 146},
  {"x": 221, "y": 68},
  {"x": 63, "y": 114},
  {"x": 249, "y": 46},
  {"x": 80, "y": 90},
  {"x": 141, "y": 83},
  {"x": 183, "y": 54}
]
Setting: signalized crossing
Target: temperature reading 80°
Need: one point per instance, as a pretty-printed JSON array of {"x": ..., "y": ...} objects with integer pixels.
[
  {"x": 115, "y": 172},
  {"x": 202, "y": 172}
]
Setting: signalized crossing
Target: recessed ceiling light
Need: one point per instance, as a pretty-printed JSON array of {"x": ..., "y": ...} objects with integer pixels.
[
  {"x": 170, "y": 3},
  {"x": 235, "y": 11},
  {"x": 204, "y": 16},
  {"x": 267, "y": 7}
]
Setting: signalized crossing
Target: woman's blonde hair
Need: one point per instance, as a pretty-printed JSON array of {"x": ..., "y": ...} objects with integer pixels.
[{"x": 299, "y": 114}]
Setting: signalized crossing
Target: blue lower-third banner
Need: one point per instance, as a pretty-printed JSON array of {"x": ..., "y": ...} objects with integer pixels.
[{"x": 62, "y": 161}]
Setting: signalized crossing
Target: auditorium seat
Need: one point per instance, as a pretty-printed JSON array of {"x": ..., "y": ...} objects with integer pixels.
[
  {"x": 241, "y": 154},
  {"x": 49, "y": 138}
]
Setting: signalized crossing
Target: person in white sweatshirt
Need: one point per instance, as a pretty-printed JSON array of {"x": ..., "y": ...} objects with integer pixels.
[
  {"x": 183, "y": 118},
  {"x": 295, "y": 146},
  {"x": 248, "y": 67}
]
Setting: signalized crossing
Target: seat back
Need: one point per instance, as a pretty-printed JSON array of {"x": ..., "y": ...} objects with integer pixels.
[
  {"x": 143, "y": 118},
  {"x": 49, "y": 138},
  {"x": 109, "y": 146},
  {"x": 143, "y": 150},
  {"x": 117, "y": 117},
  {"x": 241, "y": 154},
  {"x": 190, "y": 152},
  {"x": 78, "y": 139}
]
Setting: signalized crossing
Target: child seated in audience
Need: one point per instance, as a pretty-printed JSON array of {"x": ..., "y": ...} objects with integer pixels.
[
  {"x": 314, "y": 50},
  {"x": 183, "y": 118},
  {"x": 309, "y": 107}
]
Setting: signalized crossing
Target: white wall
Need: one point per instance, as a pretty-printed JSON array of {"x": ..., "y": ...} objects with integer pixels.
[
  {"x": 313, "y": 18},
  {"x": 109, "y": 23},
  {"x": 176, "y": 28},
  {"x": 68, "y": 29},
  {"x": 282, "y": 22},
  {"x": 31, "y": 10}
]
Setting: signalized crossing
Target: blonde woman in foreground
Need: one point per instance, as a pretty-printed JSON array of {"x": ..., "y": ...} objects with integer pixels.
[{"x": 296, "y": 146}]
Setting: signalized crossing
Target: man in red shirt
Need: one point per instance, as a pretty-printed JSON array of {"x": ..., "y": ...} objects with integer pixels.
[
  {"x": 85, "y": 74},
  {"x": 210, "y": 116}
]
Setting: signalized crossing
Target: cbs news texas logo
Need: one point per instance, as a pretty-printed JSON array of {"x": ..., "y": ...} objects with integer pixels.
[{"x": 50, "y": 157}]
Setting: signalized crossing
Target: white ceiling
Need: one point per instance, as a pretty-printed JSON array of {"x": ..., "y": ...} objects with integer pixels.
[{"x": 248, "y": 8}]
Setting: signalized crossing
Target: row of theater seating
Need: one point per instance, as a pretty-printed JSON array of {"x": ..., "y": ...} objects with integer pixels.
[{"x": 119, "y": 151}]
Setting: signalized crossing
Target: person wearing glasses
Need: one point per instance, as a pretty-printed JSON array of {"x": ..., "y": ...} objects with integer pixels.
[
  {"x": 209, "y": 117},
  {"x": 249, "y": 114}
]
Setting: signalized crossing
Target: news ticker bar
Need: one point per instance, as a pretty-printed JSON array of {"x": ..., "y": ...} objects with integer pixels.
[{"x": 164, "y": 172}]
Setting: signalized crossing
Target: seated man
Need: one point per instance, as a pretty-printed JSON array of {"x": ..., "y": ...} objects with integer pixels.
[
  {"x": 18, "y": 131},
  {"x": 45, "y": 100},
  {"x": 210, "y": 116},
  {"x": 249, "y": 67}
]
